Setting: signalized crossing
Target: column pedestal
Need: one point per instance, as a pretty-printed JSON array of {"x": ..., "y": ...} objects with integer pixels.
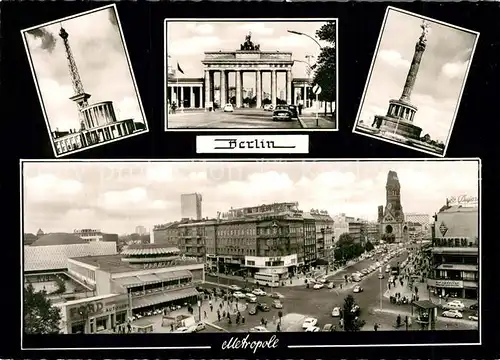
[
  {"x": 273, "y": 88},
  {"x": 238, "y": 88},
  {"x": 207, "y": 89},
  {"x": 289, "y": 87},
  {"x": 223, "y": 99},
  {"x": 258, "y": 88}
]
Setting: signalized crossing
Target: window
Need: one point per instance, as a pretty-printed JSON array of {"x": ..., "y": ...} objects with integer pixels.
[{"x": 250, "y": 262}]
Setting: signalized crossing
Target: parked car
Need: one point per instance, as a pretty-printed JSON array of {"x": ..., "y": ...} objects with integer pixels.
[
  {"x": 355, "y": 310},
  {"x": 228, "y": 108},
  {"x": 357, "y": 289},
  {"x": 283, "y": 112},
  {"x": 268, "y": 107},
  {"x": 328, "y": 328},
  {"x": 235, "y": 288},
  {"x": 277, "y": 304},
  {"x": 263, "y": 307},
  {"x": 336, "y": 311},
  {"x": 259, "y": 329},
  {"x": 454, "y": 305},
  {"x": 247, "y": 290},
  {"x": 323, "y": 279},
  {"x": 239, "y": 295},
  {"x": 452, "y": 314},
  {"x": 259, "y": 292},
  {"x": 474, "y": 306},
  {"x": 331, "y": 285},
  {"x": 313, "y": 329},
  {"x": 318, "y": 286},
  {"x": 474, "y": 317},
  {"x": 182, "y": 329},
  {"x": 251, "y": 298},
  {"x": 308, "y": 322}
]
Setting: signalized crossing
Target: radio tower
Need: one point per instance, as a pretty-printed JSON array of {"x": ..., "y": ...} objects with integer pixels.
[{"x": 80, "y": 97}]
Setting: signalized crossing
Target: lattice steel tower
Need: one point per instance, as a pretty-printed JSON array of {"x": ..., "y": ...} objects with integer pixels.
[{"x": 80, "y": 97}]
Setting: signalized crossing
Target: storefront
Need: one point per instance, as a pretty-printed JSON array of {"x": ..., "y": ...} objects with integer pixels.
[
  {"x": 284, "y": 266},
  {"x": 98, "y": 314},
  {"x": 453, "y": 288}
]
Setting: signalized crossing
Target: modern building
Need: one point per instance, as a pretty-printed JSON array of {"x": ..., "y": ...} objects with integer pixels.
[
  {"x": 141, "y": 230},
  {"x": 191, "y": 206},
  {"x": 95, "y": 235},
  {"x": 96, "y": 123},
  {"x": 357, "y": 230},
  {"x": 455, "y": 253},
  {"x": 140, "y": 279},
  {"x": 392, "y": 220}
]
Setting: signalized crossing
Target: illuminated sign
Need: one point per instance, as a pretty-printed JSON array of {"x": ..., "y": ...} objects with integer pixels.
[
  {"x": 454, "y": 284},
  {"x": 85, "y": 310},
  {"x": 463, "y": 200}
]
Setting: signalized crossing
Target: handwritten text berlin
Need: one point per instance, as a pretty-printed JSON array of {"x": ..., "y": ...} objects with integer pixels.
[{"x": 231, "y": 144}]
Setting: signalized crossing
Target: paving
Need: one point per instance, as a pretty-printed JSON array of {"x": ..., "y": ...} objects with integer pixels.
[
  {"x": 308, "y": 121},
  {"x": 239, "y": 119}
]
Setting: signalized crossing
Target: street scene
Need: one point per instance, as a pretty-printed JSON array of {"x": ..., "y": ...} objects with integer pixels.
[
  {"x": 224, "y": 263},
  {"x": 227, "y": 75}
]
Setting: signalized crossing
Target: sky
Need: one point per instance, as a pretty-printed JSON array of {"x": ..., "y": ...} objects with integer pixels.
[
  {"x": 116, "y": 197},
  {"x": 440, "y": 78},
  {"x": 187, "y": 42},
  {"x": 102, "y": 63}
]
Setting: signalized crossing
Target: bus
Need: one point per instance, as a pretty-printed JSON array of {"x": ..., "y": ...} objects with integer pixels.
[{"x": 272, "y": 280}]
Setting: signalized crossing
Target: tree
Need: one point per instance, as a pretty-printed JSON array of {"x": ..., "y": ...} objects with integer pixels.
[
  {"x": 369, "y": 246},
  {"x": 351, "y": 321},
  {"x": 326, "y": 67},
  {"x": 40, "y": 317}
]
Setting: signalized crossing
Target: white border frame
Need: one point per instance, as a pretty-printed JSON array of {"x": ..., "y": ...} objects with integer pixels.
[
  {"x": 243, "y": 130},
  {"x": 270, "y": 160},
  {"x": 40, "y": 98},
  {"x": 375, "y": 54}
]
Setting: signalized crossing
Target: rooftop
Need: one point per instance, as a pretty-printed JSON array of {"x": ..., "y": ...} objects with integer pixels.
[
  {"x": 58, "y": 239},
  {"x": 114, "y": 264}
]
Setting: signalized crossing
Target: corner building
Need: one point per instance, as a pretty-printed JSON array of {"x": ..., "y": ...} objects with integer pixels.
[{"x": 455, "y": 253}]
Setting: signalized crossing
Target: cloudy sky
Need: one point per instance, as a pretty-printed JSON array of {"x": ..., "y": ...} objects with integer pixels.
[
  {"x": 101, "y": 59},
  {"x": 187, "y": 42},
  {"x": 440, "y": 78},
  {"x": 116, "y": 197}
]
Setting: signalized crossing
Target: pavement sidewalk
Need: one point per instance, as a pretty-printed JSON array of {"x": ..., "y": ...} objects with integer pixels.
[
  {"x": 324, "y": 122},
  {"x": 392, "y": 315}
]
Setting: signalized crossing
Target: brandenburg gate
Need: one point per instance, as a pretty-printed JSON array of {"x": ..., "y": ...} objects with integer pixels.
[{"x": 248, "y": 59}]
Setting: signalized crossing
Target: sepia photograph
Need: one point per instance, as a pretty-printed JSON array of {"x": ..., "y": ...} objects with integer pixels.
[
  {"x": 84, "y": 80},
  {"x": 251, "y": 74},
  {"x": 187, "y": 246},
  {"x": 418, "y": 73}
]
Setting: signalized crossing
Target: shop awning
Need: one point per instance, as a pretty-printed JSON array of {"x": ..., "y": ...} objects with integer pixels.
[
  {"x": 463, "y": 267},
  {"x": 155, "y": 299},
  {"x": 175, "y": 275},
  {"x": 128, "y": 281},
  {"x": 149, "y": 278}
]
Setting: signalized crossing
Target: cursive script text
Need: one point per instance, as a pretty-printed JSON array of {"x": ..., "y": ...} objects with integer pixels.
[
  {"x": 244, "y": 343},
  {"x": 463, "y": 199}
]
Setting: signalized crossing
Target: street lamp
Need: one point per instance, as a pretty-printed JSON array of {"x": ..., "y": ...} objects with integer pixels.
[
  {"x": 199, "y": 310},
  {"x": 303, "y": 34}
]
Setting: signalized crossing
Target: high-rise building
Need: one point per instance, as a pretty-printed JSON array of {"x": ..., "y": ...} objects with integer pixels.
[
  {"x": 455, "y": 253},
  {"x": 141, "y": 230},
  {"x": 340, "y": 226},
  {"x": 191, "y": 206}
]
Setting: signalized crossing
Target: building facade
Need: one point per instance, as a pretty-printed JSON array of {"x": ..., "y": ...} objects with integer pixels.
[
  {"x": 313, "y": 247},
  {"x": 166, "y": 234},
  {"x": 340, "y": 226},
  {"x": 455, "y": 253},
  {"x": 325, "y": 237},
  {"x": 141, "y": 230},
  {"x": 191, "y": 206}
]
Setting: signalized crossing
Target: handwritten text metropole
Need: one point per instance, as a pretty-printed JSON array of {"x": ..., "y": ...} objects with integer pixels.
[{"x": 237, "y": 343}]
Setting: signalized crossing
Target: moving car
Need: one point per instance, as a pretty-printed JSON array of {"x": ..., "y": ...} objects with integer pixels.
[
  {"x": 247, "y": 290},
  {"x": 252, "y": 309},
  {"x": 454, "y": 305},
  {"x": 228, "y": 108},
  {"x": 259, "y": 329},
  {"x": 277, "y": 304},
  {"x": 268, "y": 107},
  {"x": 474, "y": 317},
  {"x": 259, "y": 292},
  {"x": 452, "y": 314},
  {"x": 355, "y": 310},
  {"x": 285, "y": 112},
  {"x": 198, "y": 327},
  {"x": 318, "y": 286},
  {"x": 331, "y": 285},
  {"x": 182, "y": 329},
  {"x": 336, "y": 311},
  {"x": 239, "y": 295},
  {"x": 263, "y": 307},
  {"x": 474, "y": 306},
  {"x": 234, "y": 288},
  {"x": 313, "y": 329},
  {"x": 308, "y": 322},
  {"x": 322, "y": 279},
  {"x": 357, "y": 289},
  {"x": 276, "y": 295},
  {"x": 251, "y": 298}
]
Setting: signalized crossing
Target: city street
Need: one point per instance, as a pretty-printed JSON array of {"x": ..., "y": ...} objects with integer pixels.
[
  {"x": 239, "y": 119},
  {"x": 319, "y": 303}
]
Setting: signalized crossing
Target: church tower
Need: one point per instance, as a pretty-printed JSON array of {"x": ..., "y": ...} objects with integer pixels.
[{"x": 392, "y": 223}]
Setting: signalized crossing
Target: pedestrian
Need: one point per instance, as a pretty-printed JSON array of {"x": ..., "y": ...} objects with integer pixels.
[
  {"x": 375, "y": 327},
  {"x": 129, "y": 328},
  {"x": 211, "y": 308},
  {"x": 210, "y": 303},
  {"x": 204, "y": 314},
  {"x": 265, "y": 323},
  {"x": 243, "y": 320},
  {"x": 278, "y": 328},
  {"x": 218, "y": 316}
]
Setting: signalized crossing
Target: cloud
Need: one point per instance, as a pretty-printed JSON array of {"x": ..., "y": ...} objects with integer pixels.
[
  {"x": 393, "y": 58},
  {"x": 46, "y": 187},
  {"x": 202, "y": 28},
  {"x": 46, "y": 38},
  {"x": 257, "y": 28},
  {"x": 194, "y": 45},
  {"x": 455, "y": 70}
]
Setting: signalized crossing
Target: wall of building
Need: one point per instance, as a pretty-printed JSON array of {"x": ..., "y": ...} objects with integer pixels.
[{"x": 191, "y": 206}]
